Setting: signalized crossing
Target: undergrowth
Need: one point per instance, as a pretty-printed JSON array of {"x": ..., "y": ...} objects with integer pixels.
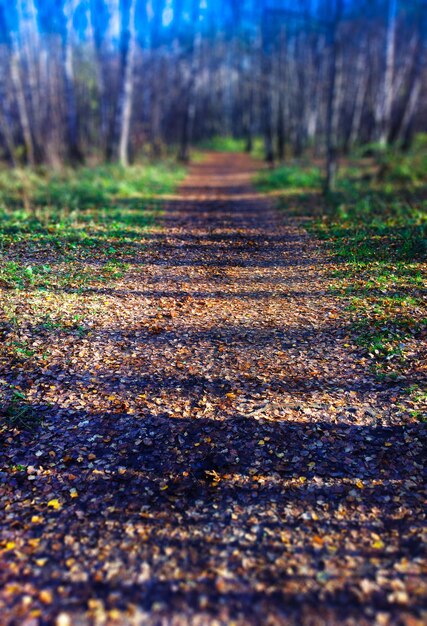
[
  {"x": 381, "y": 240},
  {"x": 289, "y": 177},
  {"x": 65, "y": 239},
  {"x": 376, "y": 227},
  {"x": 223, "y": 144},
  {"x": 233, "y": 144},
  {"x": 71, "y": 229}
]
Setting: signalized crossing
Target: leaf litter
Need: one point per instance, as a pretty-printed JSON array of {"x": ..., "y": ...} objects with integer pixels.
[{"x": 210, "y": 448}]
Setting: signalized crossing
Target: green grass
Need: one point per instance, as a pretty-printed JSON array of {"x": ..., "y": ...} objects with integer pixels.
[
  {"x": 65, "y": 240},
  {"x": 381, "y": 240},
  {"x": 87, "y": 187},
  {"x": 418, "y": 399},
  {"x": 223, "y": 144},
  {"x": 229, "y": 144},
  {"x": 289, "y": 177},
  {"x": 375, "y": 224},
  {"x": 402, "y": 167},
  {"x": 366, "y": 226},
  {"x": 17, "y": 411},
  {"x": 77, "y": 227}
]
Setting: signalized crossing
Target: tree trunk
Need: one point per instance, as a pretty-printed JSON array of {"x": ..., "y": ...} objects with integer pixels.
[
  {"x": 359, "y": 102},
  {"x": 189, "y": 110},
  {"x": 73, "y": 148},
  {"x": 386, "y": 104},
  {"x": 331, "y": 147},
  {"x": 405, "y": 128},
  {"x": 31, "y": 55},
  {"x": 54, "y": 118},
  {"x": 8, "y": 140},
  {"x": 281, "y": 70},
  {"x": 155, "y": 108},
  {"x": 280, "y": 130},
  {"x": 266, "y": 87},
  {"x": 104, "y": 134},
  {"x": 124, "y": 104},
  {"x": 249, "y": 123},
  {"x": 15, "y": 74}
]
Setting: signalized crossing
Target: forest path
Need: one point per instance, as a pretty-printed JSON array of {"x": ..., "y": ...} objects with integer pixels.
[{"x": 248, "y": 468}]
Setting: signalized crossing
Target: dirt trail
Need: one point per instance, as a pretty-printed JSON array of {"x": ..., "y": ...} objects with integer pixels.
[{"x": 248, "y": 470}]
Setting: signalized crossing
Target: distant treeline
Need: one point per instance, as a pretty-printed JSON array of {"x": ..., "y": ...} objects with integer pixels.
[{"x": 82, "y": 79}]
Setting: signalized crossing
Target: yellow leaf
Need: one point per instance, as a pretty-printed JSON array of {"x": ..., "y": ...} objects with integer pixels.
[
  {"x": 46, "y": 596},
  {"x": 74, "y": 493},
  {"x": 261, "y": 442},
  {"x": 115, "y": 615},
  {"x": 10, "y": 545},
  {"x": 359, "y": 484},
  {"x": 378, "y": 544},
  {"x": 55, "y": 504},
  {"x": 34, "y": 542}
]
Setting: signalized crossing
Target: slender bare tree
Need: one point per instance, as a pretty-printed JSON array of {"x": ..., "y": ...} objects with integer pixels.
[
  {"x": 386, "y": 93},
  {"x": 109, "y": 78},
  {"x": 74, "y": 152},
  {"x": 125, "y": 95}
]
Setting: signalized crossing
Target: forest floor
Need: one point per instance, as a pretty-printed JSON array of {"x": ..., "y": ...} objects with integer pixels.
[{"x": 201, "y": 442}]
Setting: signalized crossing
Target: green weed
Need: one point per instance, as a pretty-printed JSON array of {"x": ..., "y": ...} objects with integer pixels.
[
  {"x": 223, "y": 144},
  {"x": 378, "y": 234},
  {"x": 17, "y": 412},
  {"x": 289, "y": 177},
  {"x": 418, "y": 398}
]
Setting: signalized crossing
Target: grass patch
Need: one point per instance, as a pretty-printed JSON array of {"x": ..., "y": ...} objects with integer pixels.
[
  {"x": 368, "y": 227},
  {"x": 381, "y": 240},
  {"x": 64, "y": 239},
  {"x": 399, "y": 167},
  {"x": 289, "y": 177},
  {"x": 376, "y": 226},
  {"x": 78, "y": 227},
  {"x": 223, "y": 144},
  {"x": 87, "y": 187},
  {"x": 229, "y": 144},
  {"x": 17, "y": 412},
  {"x": 418, "y": 402}
]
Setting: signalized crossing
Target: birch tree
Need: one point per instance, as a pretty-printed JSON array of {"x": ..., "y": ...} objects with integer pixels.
[
  {"x": 104, "y": 78},
  {"x": 332, "y": 97},
  {"x": 386, "y": 93},
  {"x": 125, "y": 95},
  {"x": 73, "y": 148}
]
